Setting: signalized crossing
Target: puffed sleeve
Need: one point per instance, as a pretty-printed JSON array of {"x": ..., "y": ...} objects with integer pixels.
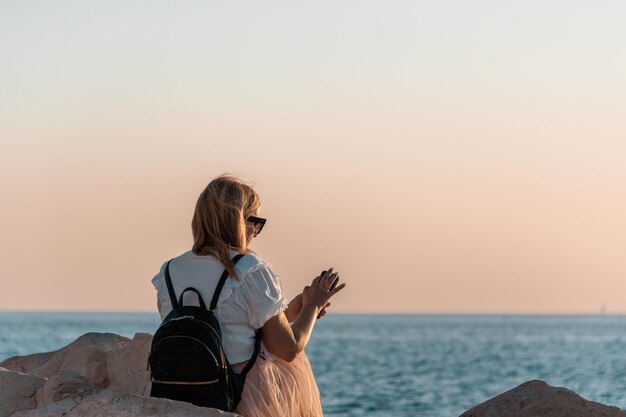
[
  {"x": 262, "y": 292},
  {"x": 164, "y": 304}
]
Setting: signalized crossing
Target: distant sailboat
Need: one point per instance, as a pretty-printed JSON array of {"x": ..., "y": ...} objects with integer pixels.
[{"x": 603, "y": 310}]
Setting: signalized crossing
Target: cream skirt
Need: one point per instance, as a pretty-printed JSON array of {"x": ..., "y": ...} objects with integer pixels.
[{"x": 275, "y": 388}]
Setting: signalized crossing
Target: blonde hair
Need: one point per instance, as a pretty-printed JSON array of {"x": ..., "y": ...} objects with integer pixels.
[{"x": 219, "y": 220}]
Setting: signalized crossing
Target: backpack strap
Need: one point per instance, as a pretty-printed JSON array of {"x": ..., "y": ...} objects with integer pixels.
[
  {"x": 257, "y": 349},
  {"x": 257, "y": 333},
  {"x": 170, "y": 288},
  {"x": 216, "y": 295},
  {"x": 220, "y": 284}
]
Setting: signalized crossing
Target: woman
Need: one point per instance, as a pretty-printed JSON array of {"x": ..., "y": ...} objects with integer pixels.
[{"x": 281, "y": 382}]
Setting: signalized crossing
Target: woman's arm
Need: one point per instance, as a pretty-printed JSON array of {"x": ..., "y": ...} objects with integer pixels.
[
  {"x": 293, "y": 309},
  {"x": 287, "y": 341}
]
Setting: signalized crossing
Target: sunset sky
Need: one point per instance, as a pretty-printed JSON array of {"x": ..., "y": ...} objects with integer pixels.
[{"x": 443, "y": 156}]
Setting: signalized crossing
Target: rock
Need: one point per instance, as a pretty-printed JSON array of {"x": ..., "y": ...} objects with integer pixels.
[
  {"x": 87, "y": 356},
  {"x": 26, "y": 363},
  {"x": 102, "y": 358},
  {"x": 17, "y": 391},
  {"x": 538, "y": 399},
  {"x": 62, "y": 385},
  {"x": 114, "y": 402},
  {"x": 128, "y": 367},
  {"x": 99, "y": 374}
]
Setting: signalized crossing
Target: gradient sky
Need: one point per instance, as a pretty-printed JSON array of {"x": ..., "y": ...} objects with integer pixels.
[{"x": 444, "y": 156}]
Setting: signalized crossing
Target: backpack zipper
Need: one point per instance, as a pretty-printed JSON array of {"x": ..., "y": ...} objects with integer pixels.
[
  {"x": 217, "y": 334},
  {"x": 219, "y": 338},
  {"x": 181, "y": 318},
  {"x": 158, "y": 381},
  {"x": 204, "y": 323},
  {"x": 194, "y": 339},
  {"x": 222, "y": 355}
]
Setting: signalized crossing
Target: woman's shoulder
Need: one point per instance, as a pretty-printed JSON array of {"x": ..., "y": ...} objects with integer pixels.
[
  {"x": 178, "y": 260},
  {"x": 247, "y": 268},
  {"x": 260, "y": 290},
  {"x": 251, "y": 262}
]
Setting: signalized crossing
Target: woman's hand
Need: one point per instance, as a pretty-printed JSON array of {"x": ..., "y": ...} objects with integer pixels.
[
  {"x": 287, "y": 341},
  {"x": 323, "y": 312},
  {"x": 318, "y": 293}
]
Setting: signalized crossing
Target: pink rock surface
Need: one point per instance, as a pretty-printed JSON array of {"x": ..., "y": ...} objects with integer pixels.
[
  {"x": 102, "y": 358},
  {"x": 538, "y": 399},
  {"x": 26, "y": 363},
  {"x": 17, "y": 391},
  {"x": 99, "y": 374},
  {"x": 113, "y": 402},
  {"x": 127, "y": 368},
  {"x": 62, "y": 385}
]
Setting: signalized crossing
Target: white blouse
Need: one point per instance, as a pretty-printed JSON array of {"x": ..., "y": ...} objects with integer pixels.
[{"x": 245, "y": 304}]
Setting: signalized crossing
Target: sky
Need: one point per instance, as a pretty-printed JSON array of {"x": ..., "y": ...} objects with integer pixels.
[{"x": 444, "y": 157}]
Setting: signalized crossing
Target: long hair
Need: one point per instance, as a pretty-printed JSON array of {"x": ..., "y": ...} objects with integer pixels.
[{"x": 219, "y": 220}]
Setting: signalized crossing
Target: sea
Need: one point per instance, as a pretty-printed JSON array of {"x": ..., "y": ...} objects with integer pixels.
[{"x": 404, "y": 364}]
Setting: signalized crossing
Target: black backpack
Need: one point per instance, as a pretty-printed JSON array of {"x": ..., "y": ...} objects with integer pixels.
[{"x": 187, "y": 359}]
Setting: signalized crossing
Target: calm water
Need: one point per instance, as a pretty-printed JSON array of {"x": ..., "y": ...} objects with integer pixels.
[{"x": 405, "y": 365}]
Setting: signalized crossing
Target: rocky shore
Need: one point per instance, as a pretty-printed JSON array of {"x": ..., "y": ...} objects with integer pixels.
[{"x": 104, "y": 374}]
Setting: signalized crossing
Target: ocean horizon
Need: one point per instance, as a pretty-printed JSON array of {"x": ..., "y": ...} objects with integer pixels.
[
  {"x": 403, "y": 364},
  {"x": 598, "y": 312}
]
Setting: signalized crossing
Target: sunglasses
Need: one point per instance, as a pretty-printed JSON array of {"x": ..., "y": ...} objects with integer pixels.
[{"x": 257, "y": 222}]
